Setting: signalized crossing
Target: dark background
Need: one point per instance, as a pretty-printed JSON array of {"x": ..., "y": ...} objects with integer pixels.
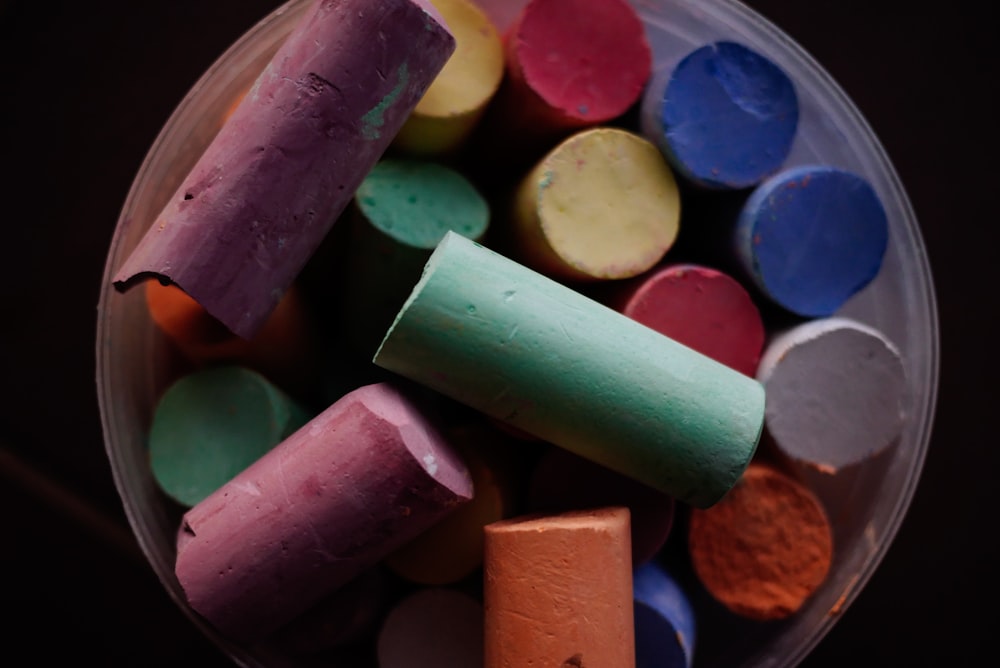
[{"x": 85, "y": 88}]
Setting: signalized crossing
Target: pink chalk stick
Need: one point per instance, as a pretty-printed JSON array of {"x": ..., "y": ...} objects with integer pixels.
[
  {"x": 352, "y": 485},
  {"x": 269, "y": 187}
]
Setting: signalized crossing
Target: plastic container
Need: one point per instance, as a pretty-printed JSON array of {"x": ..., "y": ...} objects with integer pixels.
[{"x": 135, "y": 363}]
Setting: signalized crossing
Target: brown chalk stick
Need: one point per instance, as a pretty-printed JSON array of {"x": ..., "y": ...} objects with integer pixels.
[{"x": 557, "y": 590}]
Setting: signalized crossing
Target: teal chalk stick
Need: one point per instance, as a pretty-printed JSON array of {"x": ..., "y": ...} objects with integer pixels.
[
  {"x": 211, "y": 424},
  {"x": 531, "y": 352}
]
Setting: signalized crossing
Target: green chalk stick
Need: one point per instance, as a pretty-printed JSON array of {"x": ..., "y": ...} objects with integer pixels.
[
  {"x": 401, "y": 211},
  {"x": 522, "y": 348},
  {"x": 211, "y": 424}
]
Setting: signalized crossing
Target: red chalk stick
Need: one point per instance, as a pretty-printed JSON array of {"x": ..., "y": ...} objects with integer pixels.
[
  {"x": 573, "y": 64},
  {"x": 702, "y": 308},
  {"x": 266, "y": 191},
  {"x": 359, "y": 480}
]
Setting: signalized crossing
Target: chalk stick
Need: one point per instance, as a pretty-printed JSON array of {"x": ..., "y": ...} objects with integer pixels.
[
  {"x": 573, "y": 64},
  {"x": 283, "y": 349},
  {"x": 665, "y": 625},
  {"x": 432, "y": 628},
  {"x": 402, "y": 210},
  {"x": 701, "y": 307},
  {"x": 456, "y": 100},
  {"x": 765, "y": 548},
  {"x": 211, "y": 424},
  {"x": 811, "y": 237},
  {"x": 562, "y": 481},
  {"x": 522, "y": 348},
  {"x": 330, "y": 501},
  {"x": 725, "y": 116},
  {"x": 273, "y": 181},
  {"x": 453, "y": 548},
  {"x": 835, "y": 389},
  {"x": 557, "y": 590},
  {"x": 603, "y": 204}
]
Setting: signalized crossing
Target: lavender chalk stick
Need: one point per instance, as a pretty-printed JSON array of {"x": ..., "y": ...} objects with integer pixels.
[
  {"x": 520, "y": 347},
  {"x": 271, "y": 184},
  {"x": 356, "y": 482}
]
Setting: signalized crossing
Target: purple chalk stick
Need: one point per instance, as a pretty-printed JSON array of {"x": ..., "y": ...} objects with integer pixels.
[
  {"x": 326, "y": 504},
  {"x": 269, "y": 187}
]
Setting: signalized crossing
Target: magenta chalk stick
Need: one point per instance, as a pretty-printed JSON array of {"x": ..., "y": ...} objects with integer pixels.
[
  {"x": 326, "y": 504},
  {"x": 273, "y": 181}
]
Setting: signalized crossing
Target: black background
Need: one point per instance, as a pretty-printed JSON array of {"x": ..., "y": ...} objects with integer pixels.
[{"x": 86, "y": 87}]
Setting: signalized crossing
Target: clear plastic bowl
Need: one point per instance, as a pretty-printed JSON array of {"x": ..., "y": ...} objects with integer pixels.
[{"x": 134, "y": 362}]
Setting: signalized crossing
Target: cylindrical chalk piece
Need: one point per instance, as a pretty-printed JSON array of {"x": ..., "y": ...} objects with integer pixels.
[
  {"x": 404, "y": 207},
  {"x": 835, "y": 393},
  {"x": 453, "y": 548},
  {"x": 562, "y": 481},
  {"x": 811, "y": 237},
  {"x": 457, "y": 98},
  {"x": 701, "y": 307},
  {"x": 211, "y": 424},
  {"x": 282, "y": 350},
  {"x": 557, "y": 591},
  {"x": 432, "y": 628},
  {"x": 664, "y": 620},
  {"x": 330, "y": 501},
  {"x": 520, "y": 347},
  {"x": 573, "y": 64},
  {"x": 603, "y": 204},
  {"x": 765, "y": 548},
  {"x": 725, "y": 116},
  {"x": 273, "y": 181}
]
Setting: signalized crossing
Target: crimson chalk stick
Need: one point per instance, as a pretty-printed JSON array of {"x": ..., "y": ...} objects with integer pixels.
[
  {"x": 520, "y": 347},
  {"x": 433, "y": 627},
  {"x": 700, "y": 307},
  {"x": 765, "y": 548},
  {"x": 557, "y": 590},
  {"x": 273, "y": 181},
  {"x": 329, "y": 502},
  {"x": 574, "y": 64}
]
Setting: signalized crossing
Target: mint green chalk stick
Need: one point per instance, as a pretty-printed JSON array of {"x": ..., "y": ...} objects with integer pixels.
[
  {"x": 522, "y": 348},
  {"x": 213, "y": 423}
]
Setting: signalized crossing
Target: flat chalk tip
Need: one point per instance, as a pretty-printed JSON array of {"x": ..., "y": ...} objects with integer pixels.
[
  {"x": 836, "y": 391},
  {"x": 765, "y": 548},
  {"x": 725, "y": 116},
  {"x": 811, "y": 237}
]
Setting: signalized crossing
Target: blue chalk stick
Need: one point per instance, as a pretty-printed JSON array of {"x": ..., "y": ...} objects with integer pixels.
[
  {"x": 725, "y": 117},
  {"x": 664, "y": 620},
  {"x": 811, "y": 237}
]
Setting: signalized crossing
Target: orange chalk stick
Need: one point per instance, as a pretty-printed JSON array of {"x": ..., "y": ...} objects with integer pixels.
[{"x": 557, "y": 590}]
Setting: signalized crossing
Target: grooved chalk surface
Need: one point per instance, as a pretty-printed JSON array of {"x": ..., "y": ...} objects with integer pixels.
[{"x": 524, "y": 349}]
